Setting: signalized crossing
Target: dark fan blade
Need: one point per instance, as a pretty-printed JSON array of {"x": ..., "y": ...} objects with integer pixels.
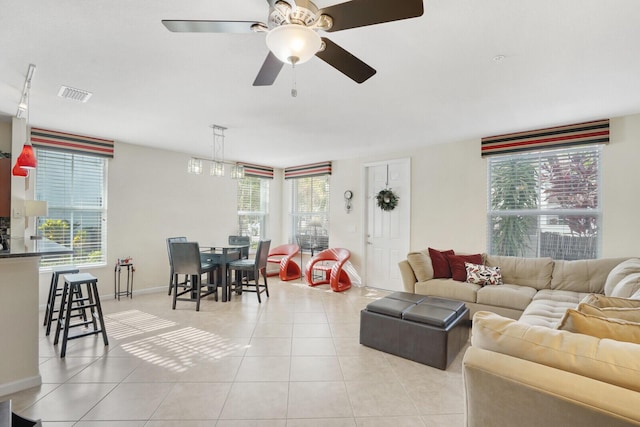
[
  {"x": 360, "y": 13},
  {"x": 209, "y": 26},
  {"x": 345, "y": 62},
  {"x": 269, "y": 71}
]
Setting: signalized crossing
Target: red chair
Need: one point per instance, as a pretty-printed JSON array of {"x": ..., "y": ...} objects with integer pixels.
[
  {"x": 283, "y": 255},
  {"x": 332, "y": 272}
]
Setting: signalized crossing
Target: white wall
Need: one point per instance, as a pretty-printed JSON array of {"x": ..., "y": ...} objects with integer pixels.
[
  {"x": 448, "y": 199},
  {"x": 621, "y": 193},
  {"x": 449, "y": 196},
  {"x": 151, "y": 197}
]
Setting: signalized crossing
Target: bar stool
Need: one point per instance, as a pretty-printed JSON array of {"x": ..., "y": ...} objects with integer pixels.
[
  {"x": 71, "y": 294},
  {"x": 55, "y": 291}
]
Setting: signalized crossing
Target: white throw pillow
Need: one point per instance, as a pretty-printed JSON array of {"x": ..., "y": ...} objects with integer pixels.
[
  {"x": 619, "y": 272},
  {"x": 627, "y": 286},
  {"x": 482, "y": 275}
]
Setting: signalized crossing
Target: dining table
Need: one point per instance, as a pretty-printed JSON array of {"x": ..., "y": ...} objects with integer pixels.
[{"x": 222, "y": 255}]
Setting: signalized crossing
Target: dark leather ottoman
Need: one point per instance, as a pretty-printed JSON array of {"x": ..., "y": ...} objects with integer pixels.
[{"x": 424, "y": 329}]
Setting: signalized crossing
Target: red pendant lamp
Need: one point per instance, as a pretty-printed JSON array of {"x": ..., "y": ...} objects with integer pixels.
[
  {"x": 26, "y": 159},
  {"x": 19, "y": 171}
]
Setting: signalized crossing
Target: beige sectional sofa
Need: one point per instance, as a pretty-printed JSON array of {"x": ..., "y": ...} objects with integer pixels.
[
  {"x": 526, "y": 372},
  {"x": 534, "y": 376},
  {"x": 536, "y": 290}
]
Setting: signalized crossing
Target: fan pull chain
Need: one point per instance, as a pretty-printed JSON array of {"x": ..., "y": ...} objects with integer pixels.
[{"x": 294, "y": 91}]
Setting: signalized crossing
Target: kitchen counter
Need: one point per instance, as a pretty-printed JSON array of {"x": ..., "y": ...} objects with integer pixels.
[
  {"x": 30, "y": 248},
  {"x": 19, "y": 282}
]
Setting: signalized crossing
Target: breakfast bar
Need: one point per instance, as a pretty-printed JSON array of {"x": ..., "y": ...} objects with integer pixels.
[{"x": 19, "y": 278}]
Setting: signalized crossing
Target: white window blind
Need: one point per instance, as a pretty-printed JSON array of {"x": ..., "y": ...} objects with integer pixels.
[
  {"x": 546, "y": 204},
  {"x": 310, "y": 215},
  {"x": 74, "y": 187},
  {"x": 253, "y": 208}
]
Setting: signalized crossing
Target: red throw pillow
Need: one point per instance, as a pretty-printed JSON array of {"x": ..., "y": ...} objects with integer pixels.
[
  {"x": 456, "y": 263},
  {"x": 441, "y": 263}
]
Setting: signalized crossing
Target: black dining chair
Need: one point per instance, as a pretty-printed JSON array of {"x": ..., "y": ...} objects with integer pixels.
[
  {"x": 255, "y": 267},
  {"x": 241, "y": 240},
  {"x": 187, "y": 261},
  {"x": 173, "y": 279}
]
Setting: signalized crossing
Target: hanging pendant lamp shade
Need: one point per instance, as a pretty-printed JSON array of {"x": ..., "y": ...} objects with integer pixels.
[
  {"x": 18, "y": 171},
  {"x": 27, "y": 158}
]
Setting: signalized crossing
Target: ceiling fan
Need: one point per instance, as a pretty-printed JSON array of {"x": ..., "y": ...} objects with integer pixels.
[{"x": 292, "y": 32}]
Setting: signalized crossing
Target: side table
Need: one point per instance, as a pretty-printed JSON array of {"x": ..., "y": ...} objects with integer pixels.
[{"x": 128, "y": 292}]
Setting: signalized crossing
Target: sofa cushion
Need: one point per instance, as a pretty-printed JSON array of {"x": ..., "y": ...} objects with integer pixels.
[
  {"x": 600, "y": 327},
  {"x": 510, "y": 296},
  {"x": 628, "y": 314},
  {"x": 585, "y": 275},
  {"x": 619, "y": 272},
  {"x": 532, "y": 272},
  {"x": 456, "y": 262},
  {"x": 421, "y": 265},
  {"x": 448, "y": 288},
  {"x": 626, "y": 287},
  {"x": 483, "y": 275},
  {"x": 440, "y": 263},
  {"x": 599, "y": 300},
  {"x": 614, "y": 362},
  {"x": 548, "y": 307}
]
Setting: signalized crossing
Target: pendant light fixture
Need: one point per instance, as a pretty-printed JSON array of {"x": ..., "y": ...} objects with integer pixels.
[
  {"x": 195, "y": 165},
  {"x": 27, "y": 159},
  {"x": 19, "y": 171},
  {"x": 217, "y": 166}
]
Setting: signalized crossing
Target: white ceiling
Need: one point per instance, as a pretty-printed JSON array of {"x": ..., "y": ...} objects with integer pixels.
[{"x": 564, "y": 61}]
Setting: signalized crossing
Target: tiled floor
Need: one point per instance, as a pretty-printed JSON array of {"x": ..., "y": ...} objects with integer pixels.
[{"x": 293, "y": 360}]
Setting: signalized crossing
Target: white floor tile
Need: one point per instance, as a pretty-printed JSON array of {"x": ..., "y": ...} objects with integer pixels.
[{"x": 292, "y": 361}]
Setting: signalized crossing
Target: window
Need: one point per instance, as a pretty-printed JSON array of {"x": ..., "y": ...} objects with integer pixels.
[
  {"x": 310, "y": 215},
  {"x": 253, "y": 208},
  {"x": 74, "y": 187},
  {"x": 545, "y": 204}
]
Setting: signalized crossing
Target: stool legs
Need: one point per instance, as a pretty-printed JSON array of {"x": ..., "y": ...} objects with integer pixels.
[
  {"x": 55, "y": 291},
  {"x": 71, "y": 294},
  {"x": 50, "y": 299}
]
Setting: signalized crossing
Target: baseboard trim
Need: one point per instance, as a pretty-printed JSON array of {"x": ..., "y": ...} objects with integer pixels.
[{"x": 23, "y": 384}]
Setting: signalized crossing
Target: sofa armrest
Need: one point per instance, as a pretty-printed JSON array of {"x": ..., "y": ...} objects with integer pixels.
[
  {"x": 500, "y": 389},
  {"x": 408, "y": 276}
]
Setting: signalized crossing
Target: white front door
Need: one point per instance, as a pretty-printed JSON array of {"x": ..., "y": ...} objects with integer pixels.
[{"x": 387, "y": 239}]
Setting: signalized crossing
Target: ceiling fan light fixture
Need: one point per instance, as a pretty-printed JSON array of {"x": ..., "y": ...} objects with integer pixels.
[{"x": 293, "y": 43}]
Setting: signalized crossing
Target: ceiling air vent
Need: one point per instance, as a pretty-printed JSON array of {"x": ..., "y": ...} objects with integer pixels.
[{"x": 74, "y": 94}]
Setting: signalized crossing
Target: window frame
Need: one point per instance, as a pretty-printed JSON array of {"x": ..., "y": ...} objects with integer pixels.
[
  {"x": 263, "y": 213},
  {"x": 314, "y": 234},
  {"x": 47, "y": 263},
  {"x": 552, "y": 231}
]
